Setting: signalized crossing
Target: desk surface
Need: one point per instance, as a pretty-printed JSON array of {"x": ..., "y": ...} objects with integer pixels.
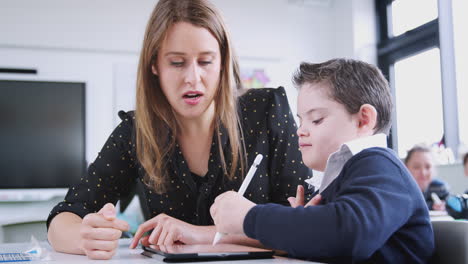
[
  {"x": 26, "y": 212},
  {"x": 123, "y": 255}
]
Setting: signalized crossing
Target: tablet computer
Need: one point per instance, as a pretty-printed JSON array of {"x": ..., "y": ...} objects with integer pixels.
[{"x": 189, "y": 253}]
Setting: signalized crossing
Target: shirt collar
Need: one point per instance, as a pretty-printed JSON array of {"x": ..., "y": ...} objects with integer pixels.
[
  {"x": 359, "y": 144},
  {"x": 337, "y": 160}
]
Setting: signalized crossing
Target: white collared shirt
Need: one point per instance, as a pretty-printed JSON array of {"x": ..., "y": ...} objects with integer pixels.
[{"x": 337, "y": 159}]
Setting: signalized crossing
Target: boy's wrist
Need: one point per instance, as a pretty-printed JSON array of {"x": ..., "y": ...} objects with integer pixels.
[{"x": 249, "y": 223}]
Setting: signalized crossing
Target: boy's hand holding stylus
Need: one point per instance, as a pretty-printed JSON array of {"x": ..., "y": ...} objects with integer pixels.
[
  {"x": 229, "y": 211},
  {"x": 229, "y": 198}
]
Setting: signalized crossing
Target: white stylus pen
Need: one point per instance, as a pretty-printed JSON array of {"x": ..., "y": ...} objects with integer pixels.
[
  {"x": 242, "y": 189},
  {"x": 435, "y": 198}
]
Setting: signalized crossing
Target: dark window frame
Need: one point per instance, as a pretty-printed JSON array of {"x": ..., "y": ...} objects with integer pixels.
[{"x": 391, "y": 49}]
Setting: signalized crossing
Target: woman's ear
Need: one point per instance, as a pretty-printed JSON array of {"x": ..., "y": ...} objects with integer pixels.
[
  {"x": 154, "y": 70},
  {"x": 367, "y": 117}
]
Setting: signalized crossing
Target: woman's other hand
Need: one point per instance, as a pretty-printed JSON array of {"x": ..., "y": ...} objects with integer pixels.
[
  {"x": 168, "y": 230},
  {"x": 100, "y": 233}
]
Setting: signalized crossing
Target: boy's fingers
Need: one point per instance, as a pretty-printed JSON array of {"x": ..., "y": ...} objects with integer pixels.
[
  {"x": 292, "y": 202},
  {"x": 300, "y": 195},
  {"x": 213, "y": 210},
  {"x": 314, "y": 201}
]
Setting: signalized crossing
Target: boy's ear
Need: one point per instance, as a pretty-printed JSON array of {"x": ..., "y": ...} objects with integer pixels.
[
  {"x": 154, "y": 70},
  {"x": 367, "y": 117}
]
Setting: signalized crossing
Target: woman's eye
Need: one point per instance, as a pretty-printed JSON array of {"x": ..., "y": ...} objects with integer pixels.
[
  {"x": 204, "y": 62},
  {"x": 177, "y": 63},
  {"x": 317, "y": 121}
]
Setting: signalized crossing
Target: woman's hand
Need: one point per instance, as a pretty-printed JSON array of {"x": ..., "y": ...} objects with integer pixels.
[
  {"x": 168, "y": 230},
  {"x": 229, "y": 211},
  {"x": 299, "y": 199},
  {"x": 100, "y": 232}
]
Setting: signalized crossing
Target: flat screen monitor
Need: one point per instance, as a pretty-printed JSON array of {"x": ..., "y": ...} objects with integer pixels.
[{"x": 42, "y": 134}]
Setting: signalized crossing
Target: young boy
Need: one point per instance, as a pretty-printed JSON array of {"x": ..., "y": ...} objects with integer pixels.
[{"x": 369, "y": 207}]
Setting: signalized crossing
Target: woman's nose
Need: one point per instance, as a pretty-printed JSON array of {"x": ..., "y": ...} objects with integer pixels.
[{"x": 192, "y": 73}]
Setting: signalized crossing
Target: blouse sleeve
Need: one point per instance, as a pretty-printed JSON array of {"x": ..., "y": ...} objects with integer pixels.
[
  {"x": 286, "y": 168},
  {"x": 108, "y": 178}
]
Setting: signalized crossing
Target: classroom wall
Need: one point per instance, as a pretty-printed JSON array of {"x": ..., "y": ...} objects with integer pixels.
[
  {"x": 453, "y": 175},
  {"x": 97, "y": 42}
]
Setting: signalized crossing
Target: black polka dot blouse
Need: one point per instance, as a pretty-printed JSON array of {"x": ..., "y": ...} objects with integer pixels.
[{"x": 268, "y": 128}]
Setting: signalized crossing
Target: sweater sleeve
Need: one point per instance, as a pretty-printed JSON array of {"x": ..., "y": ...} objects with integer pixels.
[{"x": 371, "y": 204}]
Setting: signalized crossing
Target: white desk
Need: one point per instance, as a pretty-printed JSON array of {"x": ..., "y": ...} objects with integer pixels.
[
  {"x": 124, "y": 255},
  {"x": 20, "y": 220},
  {"x": 439, "y": 216}
]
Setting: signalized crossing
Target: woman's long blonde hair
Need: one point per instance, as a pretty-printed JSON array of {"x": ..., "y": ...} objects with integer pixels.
[{"x": 156, "y": 124}]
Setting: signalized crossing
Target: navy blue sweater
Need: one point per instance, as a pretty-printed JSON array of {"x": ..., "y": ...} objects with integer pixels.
[{"x": 373, "y": 211}]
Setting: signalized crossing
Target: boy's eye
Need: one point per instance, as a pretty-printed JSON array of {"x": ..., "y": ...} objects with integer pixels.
[{"x": 317, "y": 121}]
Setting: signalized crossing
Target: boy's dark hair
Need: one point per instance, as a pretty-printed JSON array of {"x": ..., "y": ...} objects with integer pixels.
[
  {"x": 417, "y": 148},
  {"x": 465, "y": 158},
  {"x": 352, "y": 83}
]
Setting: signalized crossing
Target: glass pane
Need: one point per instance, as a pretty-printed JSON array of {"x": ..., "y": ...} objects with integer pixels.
[
  {"x": 409, "y": 14},
  {"x": 460, "y": 24},
  {"x": 418, "y": 100}
]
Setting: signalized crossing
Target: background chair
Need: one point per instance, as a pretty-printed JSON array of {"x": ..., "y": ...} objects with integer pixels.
[{"x": 451, "y": 241}]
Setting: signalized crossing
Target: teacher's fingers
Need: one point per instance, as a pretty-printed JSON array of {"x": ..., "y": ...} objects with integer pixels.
[
  {"x": 154, "y": 236},
  {"x": 99, "y": 221},
  {"x": 108, "y": 211},
  {"x": 162, "y": 236},
  {"x": 142, "y": 229},
  {"x": 171, "y": 238},
  {"x": 100, "y": 233},
  {"x": 144, "y": 241},
  {"x": 100, "y": 254},
  {"x": 105, "y": 245}
]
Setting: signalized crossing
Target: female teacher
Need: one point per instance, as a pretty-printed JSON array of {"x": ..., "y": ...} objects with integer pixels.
[{"x": 191, "y": 138}]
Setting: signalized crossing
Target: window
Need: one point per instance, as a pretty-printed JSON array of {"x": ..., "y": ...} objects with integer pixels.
[
  {"x": 415, "y": 53},
  {"x": 418, "y": 100},
  {"x": 460, "y": 24},
  {"x": 396, "y": 58},
  {"x": 404, "y": 17}
]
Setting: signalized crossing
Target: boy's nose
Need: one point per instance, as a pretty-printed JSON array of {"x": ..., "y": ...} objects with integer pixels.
[{"x": 301, "y": 132}]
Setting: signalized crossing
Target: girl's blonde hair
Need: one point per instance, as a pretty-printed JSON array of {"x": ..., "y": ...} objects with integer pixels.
[{"x": 155, "y": 121}]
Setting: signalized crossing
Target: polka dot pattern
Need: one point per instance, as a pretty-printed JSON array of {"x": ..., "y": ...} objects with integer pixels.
[{"x": 268, "y": 129}]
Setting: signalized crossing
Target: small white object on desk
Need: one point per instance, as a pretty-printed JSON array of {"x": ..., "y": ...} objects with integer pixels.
[
  {"x": 435, "y": 198},
  {"x": 243, "y": 188}
]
